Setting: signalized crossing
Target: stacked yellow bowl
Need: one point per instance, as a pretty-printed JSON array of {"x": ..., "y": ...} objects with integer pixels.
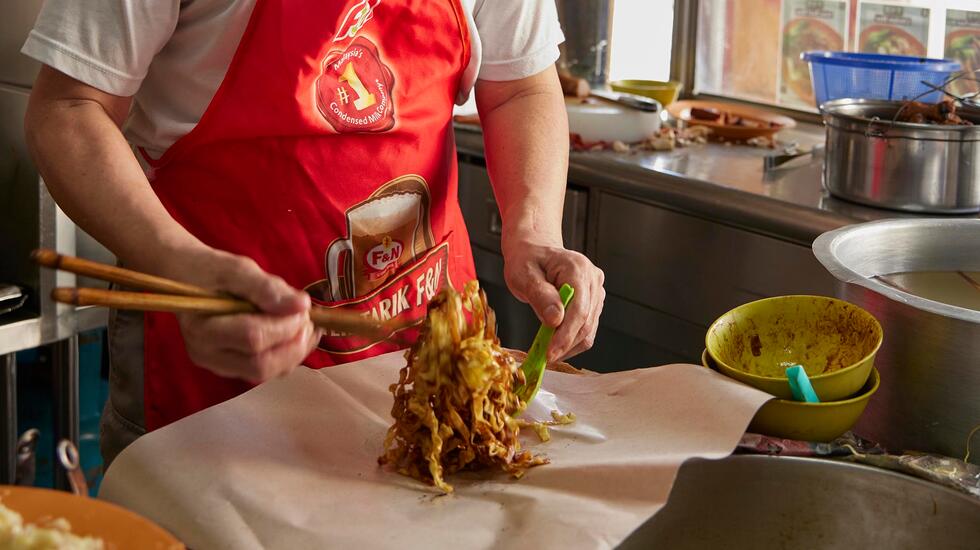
[
  {"x": 665, "y": 92},
  {"x": 834, "y": 341}
]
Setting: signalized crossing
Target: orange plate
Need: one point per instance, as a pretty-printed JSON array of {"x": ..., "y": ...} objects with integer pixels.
[
  {"x": 681, "y": 110},
  {"x": 118, "y": 527}
]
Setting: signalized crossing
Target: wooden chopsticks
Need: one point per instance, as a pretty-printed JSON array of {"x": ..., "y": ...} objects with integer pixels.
[
  {"x": 118, "y": 275},
  {"x": 141, "y": 301},
  {"x": 174, "y": 296}
]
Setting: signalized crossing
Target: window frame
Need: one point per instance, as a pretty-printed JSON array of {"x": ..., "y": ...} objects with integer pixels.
[{"x": 682, "y": 64}]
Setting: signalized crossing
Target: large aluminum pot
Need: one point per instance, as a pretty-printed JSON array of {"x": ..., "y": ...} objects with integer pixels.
[
  {"x": 929, "y": 398},
  {"x": 761, "y": 502},
  {"x": 903, "y": 166}
]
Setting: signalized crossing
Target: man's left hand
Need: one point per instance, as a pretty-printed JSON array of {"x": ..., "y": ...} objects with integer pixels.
[
  {"x": 534, "y": 272},
  {"x": 525, "y": 136}
]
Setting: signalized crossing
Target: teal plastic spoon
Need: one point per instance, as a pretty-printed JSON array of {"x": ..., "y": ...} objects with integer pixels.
[
  {"x": 799, "y": 384},
  {"x": 537, "y": 356}
]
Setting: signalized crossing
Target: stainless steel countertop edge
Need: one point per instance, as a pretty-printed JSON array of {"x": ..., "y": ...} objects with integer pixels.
[{"x": 39, "y": 331}]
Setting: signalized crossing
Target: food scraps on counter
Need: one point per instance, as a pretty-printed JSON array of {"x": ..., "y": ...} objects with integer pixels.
[
  {"x": 54, "y": 533},
  {"x": 455, "y": 404},
  {"x": 667, "y": 139}
]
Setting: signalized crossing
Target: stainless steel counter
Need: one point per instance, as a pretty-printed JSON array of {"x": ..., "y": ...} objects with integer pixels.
[
  {"x": 725, "y": 184},
  {"x": 40, "y": 331},
  {"x": 683, "y": 236}
]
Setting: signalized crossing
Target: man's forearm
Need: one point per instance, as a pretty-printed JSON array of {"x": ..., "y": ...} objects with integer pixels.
[
  {"x": 526, "y": 139},
  {"x": 92, "y": 173},
  {"x": 73, "y": 131},
  {"x": 526, "y": 135}
]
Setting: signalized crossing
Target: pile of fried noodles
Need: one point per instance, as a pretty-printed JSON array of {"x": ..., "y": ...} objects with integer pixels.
[{"x": 454, "y": 399}]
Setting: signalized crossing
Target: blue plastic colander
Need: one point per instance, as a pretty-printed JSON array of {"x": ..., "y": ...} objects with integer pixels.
[{"x": 837, "y": 75}]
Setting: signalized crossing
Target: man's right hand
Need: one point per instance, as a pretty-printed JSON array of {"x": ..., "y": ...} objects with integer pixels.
[{"x": 252, "y": 346}]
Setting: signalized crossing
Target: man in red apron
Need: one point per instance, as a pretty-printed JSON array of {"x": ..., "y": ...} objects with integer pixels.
[{"x": 321, "y": 171}]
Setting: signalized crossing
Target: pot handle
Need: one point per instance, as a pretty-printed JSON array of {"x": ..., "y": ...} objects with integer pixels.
[
  {"x": 873, "y": 131},
  {"x": 26, "y": 463},
  {"x": 11, "y": 298},
  {"x": 68, "y": 457}
]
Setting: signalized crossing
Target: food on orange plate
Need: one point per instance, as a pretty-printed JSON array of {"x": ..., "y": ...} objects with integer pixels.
[
  {"x": 706, "y": 113},
  {"x": 725, "y": 118},
  {"x": 55, "y": 533},
  {"x": 454, "y": 400}
]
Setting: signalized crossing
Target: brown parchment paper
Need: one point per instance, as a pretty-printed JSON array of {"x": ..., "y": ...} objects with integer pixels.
[{"x": 292, "y": 464}]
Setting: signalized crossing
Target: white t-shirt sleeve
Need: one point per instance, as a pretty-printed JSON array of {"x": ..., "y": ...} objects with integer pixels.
[
  {"x": 107, "y": 44},
  {"x": 518, "y": 38}
]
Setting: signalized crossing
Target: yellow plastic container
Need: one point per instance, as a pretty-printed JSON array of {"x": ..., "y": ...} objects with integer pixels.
[
  {"x": 835, "y": 342},
  {"x": 664, "y": 92},
  {"x": 809, "y": 421}
]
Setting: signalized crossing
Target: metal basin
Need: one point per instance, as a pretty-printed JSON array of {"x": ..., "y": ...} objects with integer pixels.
[
  {"x": 760, "y": 502},
  {"x": 930, "y": 358}
]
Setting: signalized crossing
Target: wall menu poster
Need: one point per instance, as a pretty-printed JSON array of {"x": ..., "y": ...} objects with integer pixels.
[
  {"x": 963, "y": 44},
  {"x": 807, "y": 25},
  {"x": 890, "y": 29}
]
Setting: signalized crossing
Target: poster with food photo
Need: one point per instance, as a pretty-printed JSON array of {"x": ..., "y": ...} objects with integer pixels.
[
  {"x": 807, "y": 25},
  {"x": 894, "y": 30},
  {"x": 963, "y": 44}
]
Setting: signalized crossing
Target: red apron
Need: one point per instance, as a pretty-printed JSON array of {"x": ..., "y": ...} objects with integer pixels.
[{"x": 327, "y": 156}]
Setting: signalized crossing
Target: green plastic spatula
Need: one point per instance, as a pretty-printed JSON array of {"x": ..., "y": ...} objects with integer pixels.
[{"x": 537, "y": 356}]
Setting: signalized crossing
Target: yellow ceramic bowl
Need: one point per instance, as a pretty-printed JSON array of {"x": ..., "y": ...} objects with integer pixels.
[
  {"x": 809, "y": 421},
  {"x": 664, "y": 92},
  {"x": 833, "y": 340}
]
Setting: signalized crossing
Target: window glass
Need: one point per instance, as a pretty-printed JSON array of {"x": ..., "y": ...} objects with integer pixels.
[
  {"x": 642, "y": 31},
  {"x": 749, "y": 49}
]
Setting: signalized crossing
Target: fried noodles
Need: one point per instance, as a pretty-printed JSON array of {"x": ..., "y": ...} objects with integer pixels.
[{"x": 454, "y": 399}]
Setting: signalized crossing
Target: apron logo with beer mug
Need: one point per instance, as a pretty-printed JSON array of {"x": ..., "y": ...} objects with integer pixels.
[{"x": 385, "y": 232}]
